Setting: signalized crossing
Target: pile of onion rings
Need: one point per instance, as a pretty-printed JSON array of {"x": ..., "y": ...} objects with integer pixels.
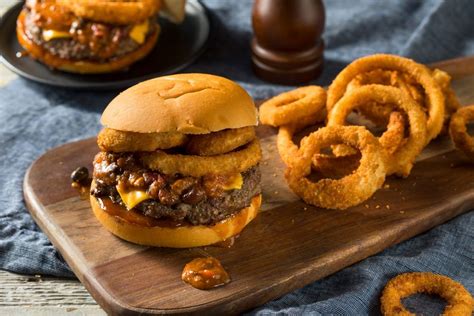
[
  {"x": 419, "y": 73},
  {"x": 460, "y": 301},
  {"x": 402, "y": 157},
  {"x": 113, "y": 11},
  {"x": 458, "y": 130},
  {"x": 412, "y": 103}
]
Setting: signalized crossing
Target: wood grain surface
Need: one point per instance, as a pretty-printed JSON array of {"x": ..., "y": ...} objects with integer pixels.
[{"x": 289, "y": 245}]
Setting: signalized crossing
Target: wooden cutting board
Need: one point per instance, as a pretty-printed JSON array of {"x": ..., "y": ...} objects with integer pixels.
[{"x": 287, "y": 246}]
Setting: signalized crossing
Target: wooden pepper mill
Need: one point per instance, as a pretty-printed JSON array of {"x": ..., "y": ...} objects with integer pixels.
[{"x": 287, "y": 47}]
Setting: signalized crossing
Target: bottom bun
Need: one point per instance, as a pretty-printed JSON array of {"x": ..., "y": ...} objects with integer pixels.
[
  {"x": 82, "y": 66},
  {"x": 177, "y": 237}
]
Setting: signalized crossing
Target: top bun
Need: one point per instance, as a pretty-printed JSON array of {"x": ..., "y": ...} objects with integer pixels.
[{"x": 186, "y": 103}]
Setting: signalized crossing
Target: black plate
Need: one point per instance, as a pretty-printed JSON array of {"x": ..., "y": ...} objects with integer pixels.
[{"x": 177, "y": 47}]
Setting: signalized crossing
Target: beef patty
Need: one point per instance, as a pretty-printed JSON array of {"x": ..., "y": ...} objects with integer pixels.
[
  {"x": 197, "y": 201},
  {"x": 96, "y": 41}
]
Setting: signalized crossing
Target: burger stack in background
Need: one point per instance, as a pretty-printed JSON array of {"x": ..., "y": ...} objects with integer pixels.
[{"x": 85, "y": 36}]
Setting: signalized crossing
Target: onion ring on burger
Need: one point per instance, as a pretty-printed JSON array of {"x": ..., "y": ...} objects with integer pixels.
[
  {"x": 459, "y": 300},
  {"x": 293, "y": 106},
  {"x": 122, "y": 141},
  {"x": 220, "y": 142},
  {"x": 458, "y": 130},
  {"x": 402, "y": 159},
  {"x": 198, "y": 166},
  {"x": 114, "y": 12},
  {"x": 419, "y": 73},
  {"x": 349, "y": 190}
]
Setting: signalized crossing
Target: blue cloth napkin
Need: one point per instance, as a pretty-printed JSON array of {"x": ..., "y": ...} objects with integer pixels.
[{"x": 35, "y": 118}]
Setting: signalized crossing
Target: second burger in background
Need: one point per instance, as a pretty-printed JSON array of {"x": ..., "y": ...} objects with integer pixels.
[
  {"x": 178, "y": 165},
  {"x": 84, "y": 36}
]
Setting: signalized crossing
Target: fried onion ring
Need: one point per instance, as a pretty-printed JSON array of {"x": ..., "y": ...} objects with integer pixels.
[
  {"x": 113, "y": 11},
  {"x": 220, "y": 142},
  {"x": 328, "y": 166},
  {"x": 460, "y": 301},
  {"x": 402, "y": 159},
  {"x": 394, "y": 136},
  {"x": 335, "y": 167},
  {"x": 380, "y": 113},
  {"x": 120, "y": 141},
  {"x": 452, "y": 103},
  {"x": 285, "y": 145},
  {"x": 349, "y": 190},
  {"x": 198, "y": 166},
  {"x": 293, "y": 106},
  {"x": 391, "y": 140},
  {"x": 458, "y": 130},
  {"x": 419, "y": 73}
]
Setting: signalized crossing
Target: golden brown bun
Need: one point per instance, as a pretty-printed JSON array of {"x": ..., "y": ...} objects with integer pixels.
[
  {"x": 179, "y": 237},
  {"x": 81, "y": 66},
  {"x": 186, "y": 103}
]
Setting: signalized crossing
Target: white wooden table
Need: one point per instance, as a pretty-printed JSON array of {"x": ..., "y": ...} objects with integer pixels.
[{"x": 40, "y": 295}]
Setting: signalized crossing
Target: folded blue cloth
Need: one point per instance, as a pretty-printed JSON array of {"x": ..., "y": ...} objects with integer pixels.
[{"x": 35, "y": 118}]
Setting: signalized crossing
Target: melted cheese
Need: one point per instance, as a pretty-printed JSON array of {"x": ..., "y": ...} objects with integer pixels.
[
  {"x": 138, "y": 32},
  {"x": 52, "y": 34},
  {"x": 235, "y": 183},
  {"x": 132, "y": 198}
]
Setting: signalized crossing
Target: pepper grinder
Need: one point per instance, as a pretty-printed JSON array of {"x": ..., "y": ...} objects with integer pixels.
[{"x": 287, "y": 47}]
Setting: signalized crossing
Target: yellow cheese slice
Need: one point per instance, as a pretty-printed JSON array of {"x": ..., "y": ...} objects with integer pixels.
[
  {"x": 52, "y": 34},
  {"x": 138, "y": 32},
  {"x": 235, "y": 184},
  {"x": 132, "y": 198}
]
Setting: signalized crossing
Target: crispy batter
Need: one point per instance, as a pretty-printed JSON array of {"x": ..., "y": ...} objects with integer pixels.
[
  {"x": 403, "y": 158},
  {"x": 458, "y": 130},
  {"x": 220, "y": 142},
  {"x": 292, "y": 106},
  {"x": 451, "y": 100},
  {"x": 120, "y": 141},
  {"x": 419, "y": 74},
  {"x": 392, "y": 140},
  {"x": 394, "y": 137},
  {"x": 379, "y": 113},
  {"x": 349, "y": 190},
  {"x": 286, "y": 147},
  {"x": 113, "y": 11},
  {"x": 336, "y": 167},
  {"x": 198, "y": 166},
  {"x": 459, "y": 300}
]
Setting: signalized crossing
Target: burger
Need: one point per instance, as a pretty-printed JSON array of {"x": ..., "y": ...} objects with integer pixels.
[
  {"x": 84, "y": 36},
  {"x": 178, "y": 165}
]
